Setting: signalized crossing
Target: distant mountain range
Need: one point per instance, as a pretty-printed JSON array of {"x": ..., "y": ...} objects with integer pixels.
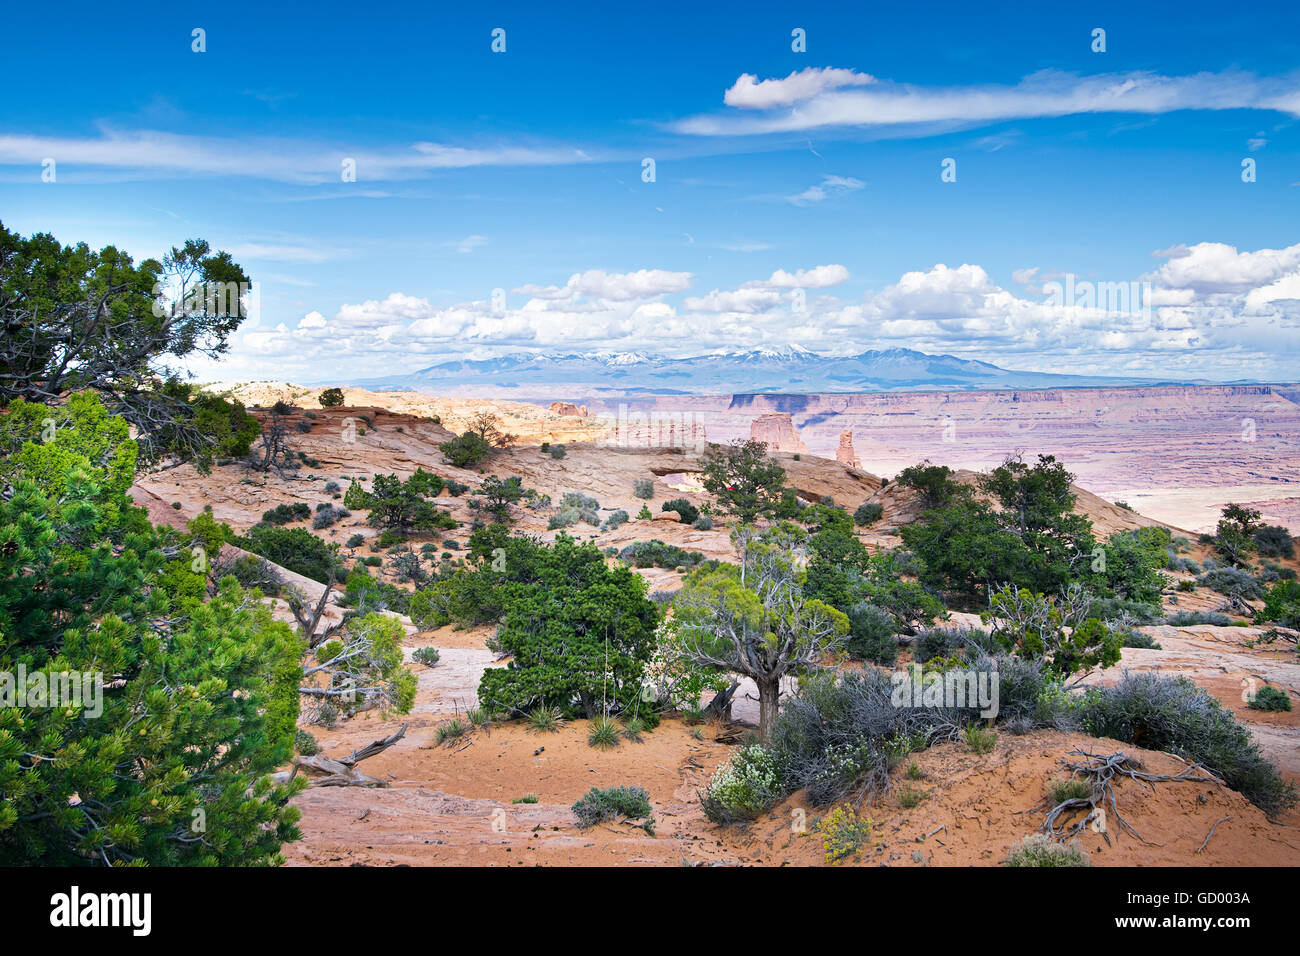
[{"x": 760, "y": 370}]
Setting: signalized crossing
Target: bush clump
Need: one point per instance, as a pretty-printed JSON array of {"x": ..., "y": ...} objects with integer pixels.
[
  {"x": 1173, "y": 714},
  {"x": 745, "y": 786},
  {"x": 428, "y": 656},
  {"x": 283, "y": 514},
  {"x": 612, "y": 803},
  {"x": 658, "y": 554},
  {"x": 575, "y": 507},
  {"x": 684, "y": 508},
  {"x": 1041, "y": 850},
  {"x": 643, "y": 488},
  {"x": 868, "y": 513},
  {"x": 1271, "y": 698}
]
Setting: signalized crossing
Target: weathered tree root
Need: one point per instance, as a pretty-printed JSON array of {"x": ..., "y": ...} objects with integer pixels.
[{"x": 1099, "y": 770}]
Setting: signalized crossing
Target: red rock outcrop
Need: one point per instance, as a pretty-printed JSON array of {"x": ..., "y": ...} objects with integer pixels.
[
  {"x": 778, "y": 431},
  {"x": 569, "y": 410},
  {"x": 845, "y": 453}
]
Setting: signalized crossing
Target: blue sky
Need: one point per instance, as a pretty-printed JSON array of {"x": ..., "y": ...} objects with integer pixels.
[{"x": 797, "y": 195}]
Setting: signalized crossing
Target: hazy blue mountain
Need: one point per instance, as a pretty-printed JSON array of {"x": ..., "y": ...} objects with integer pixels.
[{"x": 755, "y": 371}]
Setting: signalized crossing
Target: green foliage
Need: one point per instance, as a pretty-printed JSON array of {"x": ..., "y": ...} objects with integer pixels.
[
  {"x": 603, "y": 733},
  {"x": 1058, "y": 630},
  {"x": 199, "y": 701},
  {"x": 1032, "y": 539},
  {"x": 1234, "y": 538},
  {"x": 934, "y": 483},
  {"x": 754, "y": 618},
  {"x": 545, "y": 719},
  {"x": 202, "y": 427},
  {"x": 77, "y": 319},
  {"x": 980, "y": 739},
  {"x": 402, "y": 505},
  {"x": 644, "y": 514},
  {"x": 466, "y": 450},
  {"x": 870, "y": 589},
  {"x": 615, "y": 520},
  {"x": 868, "y": 513},
  {"x": 356, "y": 497},
  {"x": 283, "y": 513},
  {"x": 1282, "y": 604},
  {"x": 361, "y": 669},
  {"x": 643, "y": 488},
  {"x": 331, "y": 398},
  {"x": 579, "y": 631},
  {"x": 209, "y": 534},
  {"x": 575, "y": 507},
  {"x": 613, "y": 803},
  {"x": 428, "y": 656},
  {"x": 67, "y": 450},
  {"x": 296, "y": 549},
  {"x": 305, "y": 743},
  {"x": 499, "y": 494},
  {"x": 1133, "y": 562},
  {"x": 1271, "y": 698},
  {"x": 1274, "y": 541},
  {"x": 557, "y": 451},
  {"x": 684, "y": 508},
  {"x": 657, "y": 554},
  {"x": 744, "y": 480}
]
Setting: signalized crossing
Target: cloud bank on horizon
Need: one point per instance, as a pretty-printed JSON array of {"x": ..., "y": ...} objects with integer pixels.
[
  {"x": 557, "y": 197},
  {"x": 1208, "y": 309}
]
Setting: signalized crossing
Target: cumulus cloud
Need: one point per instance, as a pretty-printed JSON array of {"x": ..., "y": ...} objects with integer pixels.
[
  {"x": 748, "y": 92},
  {"x": 1218, "y": 267},
  {"x": 821, "y": 98}
]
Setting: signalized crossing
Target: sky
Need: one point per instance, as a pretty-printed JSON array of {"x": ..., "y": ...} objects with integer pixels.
[{"x": 678, "y": 178}]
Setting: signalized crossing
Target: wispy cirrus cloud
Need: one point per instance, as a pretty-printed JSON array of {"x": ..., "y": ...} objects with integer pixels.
[
  {"x": 818, "y": 98},
  {"x": 153, "y": 154},
  {"x": 828, "y": 187}
]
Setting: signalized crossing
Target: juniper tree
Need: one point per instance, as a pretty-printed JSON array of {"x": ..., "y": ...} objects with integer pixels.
[
  {"x": 72, "y": 318},
  {"x": 753, "y": 618}
]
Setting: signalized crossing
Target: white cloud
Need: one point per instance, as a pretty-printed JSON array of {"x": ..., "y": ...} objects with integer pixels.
[
  {"x": 614, "y": 286},
  {"x": 819, "y": 277},
  {"x": 1217, "y": 267},
  {"x": 151, "y": 154},
  {"x": 825, "y": 98},
  {"x": 829, "y": 186},
  {"x": 748, "y": 92}
]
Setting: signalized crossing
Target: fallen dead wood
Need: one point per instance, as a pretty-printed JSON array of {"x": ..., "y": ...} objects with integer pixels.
[
  {"x": 1210, "y": 835},
  {"x": 343, "y": 772},
  {"x": 372, "y": 748},
  {"x": 1100, "y": 770},
  {"x": 335, "y": 773}
]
